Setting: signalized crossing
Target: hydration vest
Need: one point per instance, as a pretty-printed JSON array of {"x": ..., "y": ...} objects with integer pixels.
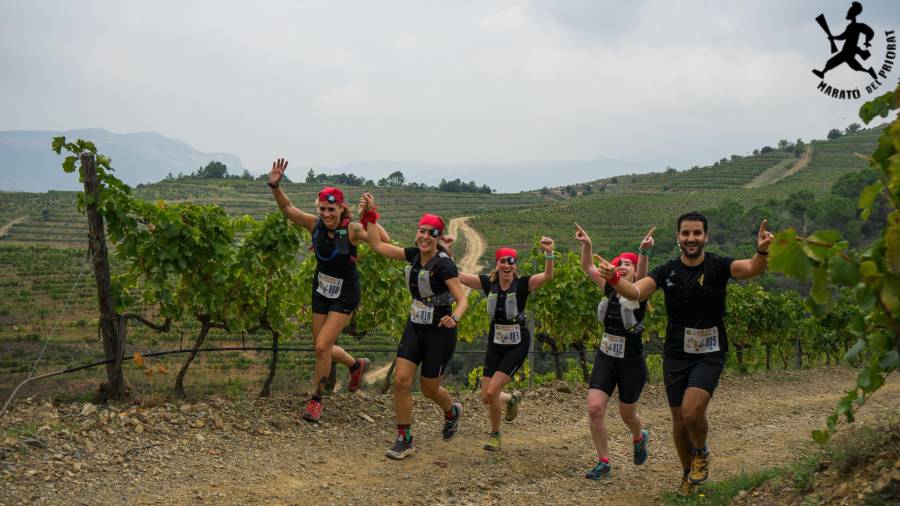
[
  {"x": 626, "y": 310},
  {"x": 423, "y": 292},
  {"x": 511, "y": 306},
  {"x": 341, "y": 241}
]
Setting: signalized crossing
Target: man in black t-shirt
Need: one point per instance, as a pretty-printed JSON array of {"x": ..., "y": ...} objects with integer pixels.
[{"x": 695, "y": 348}]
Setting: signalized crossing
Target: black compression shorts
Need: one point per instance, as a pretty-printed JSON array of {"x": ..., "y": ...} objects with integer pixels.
[
  {"x": 504, "y": 358},
  {"x": 346, "y": 303},
  {"x": 629, "y": 374},
  {"x": 431, "y": 347},
  {"x": 680, "y": 374}
]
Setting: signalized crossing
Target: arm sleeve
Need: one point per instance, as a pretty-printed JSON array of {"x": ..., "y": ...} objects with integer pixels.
[
  {"x": 410, "y": 253},
  {"x": 522, "y": 288},
  {"x": 446, "y": 269},
  {"x": 659, "y": 276},
  {"x": 724, "y": 267},
  {"x": 485, "y": 283}
]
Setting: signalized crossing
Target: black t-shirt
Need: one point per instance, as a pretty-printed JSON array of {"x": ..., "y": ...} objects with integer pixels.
[
  {"x": 443, "y": 270},
  {"x": 612, "y": 323},
  {"x": 520, "y": 284},
  {"x": 695, "y": 299},
  {"x": 341, "y": 265}
]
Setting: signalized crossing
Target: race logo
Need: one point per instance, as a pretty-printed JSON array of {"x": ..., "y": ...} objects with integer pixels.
[{"x": 851, "y": 69}]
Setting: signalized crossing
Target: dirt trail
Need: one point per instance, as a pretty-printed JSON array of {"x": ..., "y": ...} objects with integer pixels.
[
  {"x": 5, "y": 228},
  {"x": 265, "y": 454},
  {"x": 474, "y": 244},
  {"x": 767, "y": 178}
]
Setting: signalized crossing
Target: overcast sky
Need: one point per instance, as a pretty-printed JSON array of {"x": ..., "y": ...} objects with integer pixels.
[{"x": 326, "y": 82}]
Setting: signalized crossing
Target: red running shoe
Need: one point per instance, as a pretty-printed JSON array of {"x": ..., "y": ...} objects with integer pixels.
[
  {"x": 356, "y": 376},
  {"x": 313, "y": 411}
]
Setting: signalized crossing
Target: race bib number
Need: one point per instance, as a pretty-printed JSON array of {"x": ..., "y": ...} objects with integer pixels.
[
  {"x": 329, "y": 287},
  {"x": 507, "y": 334},
  {"x": 614, "y": 346},
  {"x": 421, "y": 313},
  {"x": 701, "y": 340}
]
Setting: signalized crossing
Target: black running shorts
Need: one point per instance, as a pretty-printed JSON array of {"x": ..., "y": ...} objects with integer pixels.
[
  {"x": 346, "y": 303},
  {"x": 629, "y": 374},
  {"x": 680, "y": 375},
  {"x": 504, "y": 358},
  {"x": 432, "y": 347}
]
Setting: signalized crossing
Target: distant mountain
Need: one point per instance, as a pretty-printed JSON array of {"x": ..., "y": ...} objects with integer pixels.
[
  {"x": 28, "y": 164},
  {"x": 503, "y": 177}
]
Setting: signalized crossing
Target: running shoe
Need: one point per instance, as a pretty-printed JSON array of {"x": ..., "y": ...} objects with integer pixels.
[
  {"x": 493, "y": 442},
  {"x": 402, "y": 448},
  {"x": 642, "y": 448},
  {"x": 699, "y": 467},
  {"x": 356, "y": 376},
  {"x": 600, "y": 470},
  {"x": 687, "y": 488},
  {"x": 512, "y": 405},
  {"x": 313, "y": 411},
  {"x": 452, "y": 425}
]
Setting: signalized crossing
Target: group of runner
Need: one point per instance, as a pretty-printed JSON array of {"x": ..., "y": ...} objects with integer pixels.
[{"x": 694, "y": 285}]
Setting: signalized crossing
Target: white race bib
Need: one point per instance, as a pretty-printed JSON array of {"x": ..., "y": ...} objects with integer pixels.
[
  {"x": 421, "y": 313},
  {"x": 614, "y": 346},
  {"x": 507, "y": 334},
  {"x": 701, "y": 340},
  {"x": 329, "y": 287}
]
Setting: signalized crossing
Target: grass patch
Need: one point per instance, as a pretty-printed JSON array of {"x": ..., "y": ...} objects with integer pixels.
[{"x": 722, "y": 492}]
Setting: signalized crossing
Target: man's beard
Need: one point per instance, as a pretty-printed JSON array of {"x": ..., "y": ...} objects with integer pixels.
[{"x": 699, "y": 252}]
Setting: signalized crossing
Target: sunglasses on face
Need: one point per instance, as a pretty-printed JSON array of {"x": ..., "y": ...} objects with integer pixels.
[
  {"x": 329, "y": 209},
  {"x": 433, "y": 232},
  {"x": 508, "y": 260}
]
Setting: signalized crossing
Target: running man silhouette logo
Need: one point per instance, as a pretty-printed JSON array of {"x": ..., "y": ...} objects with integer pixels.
[{"x": 857, "y": 41}]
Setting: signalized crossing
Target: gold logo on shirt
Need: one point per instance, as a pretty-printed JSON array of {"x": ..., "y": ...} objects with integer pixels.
[{"x": 700, "y": 280}]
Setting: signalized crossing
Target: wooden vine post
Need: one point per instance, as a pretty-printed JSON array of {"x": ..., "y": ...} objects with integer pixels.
[{"x": 112, "y": 325}]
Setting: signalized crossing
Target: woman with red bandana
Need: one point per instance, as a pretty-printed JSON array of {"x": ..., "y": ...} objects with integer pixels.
[
  {"x": 620, "y": 358},
  {"x": 508, "y": 338},
  {"x": 429, "y": 338},
  {"x": 336, "y": 291}
]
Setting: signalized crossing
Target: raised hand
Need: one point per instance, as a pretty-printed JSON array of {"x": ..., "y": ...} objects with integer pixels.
[
  {"x": 606, "y": 269},
  {"x": 764, "y": 238},
  {"x": 368, "y": 200},
  {"x": 581, "y": 235},
  {"x": 648, "y": 242},
  {"x": 447, "y": 241},
  {"x": 547, "y": 244},
  {"x": 277, "y": 172}
]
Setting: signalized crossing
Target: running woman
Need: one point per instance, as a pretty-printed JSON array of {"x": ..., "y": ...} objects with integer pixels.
[
  {"x": 620, "y": 359},
  {"x": 696, "y": 345},
  {"x": 335, "y": 288},
  {"x": 430, "y": 335},
  {"x": 508, "y": 338}
]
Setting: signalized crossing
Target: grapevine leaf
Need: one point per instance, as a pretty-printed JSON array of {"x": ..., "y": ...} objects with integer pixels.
[
  {"x": 820, "y": 436},
  {"x": 68, "y": 164},
  {"x": 57, "y": 144},
  {"x": 889, "y": 361},
  {"x": 788, "y": 257},
  {"x": 820, "y": 293},
  {"x": 844, "y": 272},
  {"x": 853, "y": 353},
  {"x": 892, "y": 243},
  {"x": 890, "y": 292}
]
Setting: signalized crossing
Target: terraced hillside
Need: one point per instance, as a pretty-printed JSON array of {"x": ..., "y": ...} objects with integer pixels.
[{"x": 624, "y": 207}]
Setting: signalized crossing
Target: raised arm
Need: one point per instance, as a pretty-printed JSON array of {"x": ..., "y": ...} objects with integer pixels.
[
  {"x": 644, "y": 255},
  {"x": 358, "y": 231},
  {"x": 381, "y": 247},
  {"x": 587, "y": 257},
  {"x": 639, "y": 290},
  {"x": 756, "y": 265},
  {"x": 462, "y": 303},
  {"x": 305, "y": 220},
  {"x": 535, "y": 281},
  {"x": 471, "y": 281}
]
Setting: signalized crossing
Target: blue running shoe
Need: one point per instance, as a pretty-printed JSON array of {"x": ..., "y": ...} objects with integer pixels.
[
  {"x": 642, "y": 448},
  {"x": 600, "y": 470}
]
